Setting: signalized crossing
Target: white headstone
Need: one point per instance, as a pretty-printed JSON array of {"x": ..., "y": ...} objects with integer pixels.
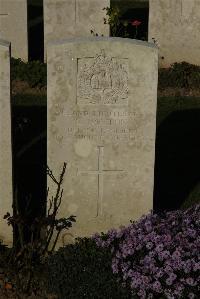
[
  {"x": 175, "y": 25},
  {"x": 5, "y": 143},
  {"x": 14, "y": 27},
  {"x": 102, "y": 95},
  {"x": 74, "y": 18}
]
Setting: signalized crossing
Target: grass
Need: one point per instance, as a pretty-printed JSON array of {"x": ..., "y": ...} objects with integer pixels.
[
  {"x": 168, "y": 105},
  {"x": 28, "y": 100}
]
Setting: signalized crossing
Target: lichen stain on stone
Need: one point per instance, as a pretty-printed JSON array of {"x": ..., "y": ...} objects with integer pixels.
[{"x": 83, "y": 148}]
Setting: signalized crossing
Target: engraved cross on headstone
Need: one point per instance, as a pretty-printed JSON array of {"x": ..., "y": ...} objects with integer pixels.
[{"x": 100, "y": 172}]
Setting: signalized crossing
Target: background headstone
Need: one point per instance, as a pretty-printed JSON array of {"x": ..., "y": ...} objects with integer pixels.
[
  {"x": 102, "y": 95},
  {"x": 175, "y": 25},
  {"x": 74, "y": 18},
  {"x": 13, "y": 26},
  {"x": 5, "y": 143}
]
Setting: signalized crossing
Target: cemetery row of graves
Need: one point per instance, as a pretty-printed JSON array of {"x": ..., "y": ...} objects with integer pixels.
[
  {"x": 99, "y": 178},
  {"x": 167, "y": 23}
]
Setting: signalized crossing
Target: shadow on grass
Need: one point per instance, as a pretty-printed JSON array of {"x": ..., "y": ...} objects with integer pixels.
[
  {"x": 177, "y": 164},
  {"x": 29, "y": 159}
]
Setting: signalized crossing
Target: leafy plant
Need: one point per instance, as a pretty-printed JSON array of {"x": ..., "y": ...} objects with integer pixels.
[
  {"x": 4, "y": 252},
  {"x": 82, "y": 270},
  {"x": 3, "y": 247},
  {"x": 26, "y": 255},
  {"x": 33, "y": 72},
  {"x": 120, "y": 27},
  {"x": 182, "y": 75},
  {"x": 158, "y": 255},
  {"x": 113, "y": 19},
  {"x": 185, "y": 74}
]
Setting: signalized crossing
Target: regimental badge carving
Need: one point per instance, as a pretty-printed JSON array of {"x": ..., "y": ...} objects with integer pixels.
[{"x": 102, "y": 80}]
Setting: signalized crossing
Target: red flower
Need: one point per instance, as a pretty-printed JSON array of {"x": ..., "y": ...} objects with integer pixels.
[{"x": 135, "y": 23}]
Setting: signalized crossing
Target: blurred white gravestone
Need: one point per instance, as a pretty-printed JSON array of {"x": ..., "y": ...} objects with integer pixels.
[
  {"x": 5, "y": 143},
  {"x": 74, "y": 18},
  {"x": 175, "y": 25},
  {"x": 102, "y": 95},
  {"x": 14, "y": 26}
]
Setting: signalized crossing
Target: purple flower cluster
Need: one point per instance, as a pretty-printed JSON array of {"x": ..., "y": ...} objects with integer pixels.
[{"x": 158, "y": 256}]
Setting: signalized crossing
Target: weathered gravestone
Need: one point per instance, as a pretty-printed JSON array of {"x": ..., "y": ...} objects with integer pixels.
[
  {"x": 175, "y": 25},
  {"x": 74, "y": 18},
  {"x": 14, "y": 27},
  {"x": 5, "y": 143},
  {"x": 102, "y": 96}
]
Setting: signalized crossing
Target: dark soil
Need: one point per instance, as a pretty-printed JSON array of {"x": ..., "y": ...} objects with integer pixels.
[
  {"x": 9, "y": 294},
  {"x": 178, "y": 92},
  {"x": 9, "y": 289}
]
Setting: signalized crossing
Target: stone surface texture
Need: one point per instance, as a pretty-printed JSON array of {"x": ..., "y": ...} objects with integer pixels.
[
  {"x": 74, "y": 18},
  {"x": 102, "y": 95},
  {"x": 13, "y": 26},
  {"x": 175, "y": 24},
  {"x": 5, "y": 143}
]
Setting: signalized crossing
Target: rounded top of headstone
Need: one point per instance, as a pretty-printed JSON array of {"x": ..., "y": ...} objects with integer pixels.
[{"x": 100, "y": 39}]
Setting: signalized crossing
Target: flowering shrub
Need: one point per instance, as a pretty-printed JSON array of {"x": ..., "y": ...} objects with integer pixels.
[
  {"x": 82, "y": 270},
  {"x": 158, "y": 256}
]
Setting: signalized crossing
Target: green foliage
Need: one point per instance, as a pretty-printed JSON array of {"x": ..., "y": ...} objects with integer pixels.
[
  {"x": 179, "y": 75},
  {"x": 113, "y": 19},
  {"x": 118, "y": 26},
  {"x": 169, "y": 105},
  {"x": 182, "y": 75},
  {"x": 82, "y": 270},
  {"x": 33, "y": 72},
  {"x": 3, "y": 247},
  {"x": 4, "y": 254},
  {"x": 193, "y": 198}
]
